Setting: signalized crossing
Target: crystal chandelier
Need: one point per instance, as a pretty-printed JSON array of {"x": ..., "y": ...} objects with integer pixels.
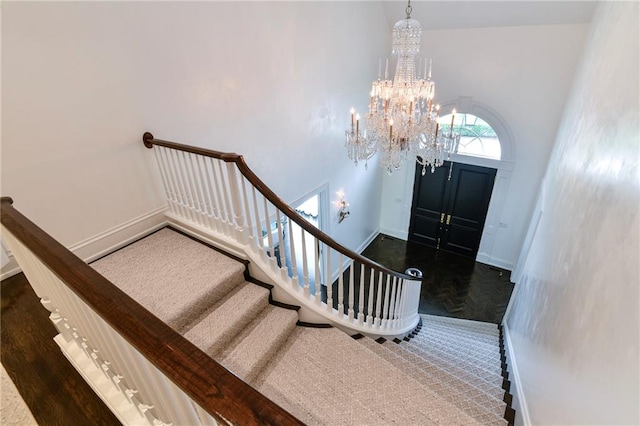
[{"x": 402, "y": 119}]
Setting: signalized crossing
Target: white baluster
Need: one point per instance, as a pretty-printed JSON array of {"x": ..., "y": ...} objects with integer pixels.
[
  {"x": 351, "y": 291},
  {"x": 281, "y": 248},
  {"x": 361, "y": 315},
  {"x": 292, "y": 251},
  {"x": 392, "y": 302},
  {"x": 184, "y": 186},
  {"x": 372, "y": 289},
  {"x": 163, "y": 175},
  {"x": 329, "y": 281},
  {"x": 178, "y": 208},
  {"x": 385, "y": 306},
  {"x": 259, "y": 242},
  {"x": 192, "y": 189},
  {"x": 236, "y": 199},
  {"x": 267, "y": 221},
  {"x": 221, "y": 205},
  {"x": 216, "y": 200},
  {"x": 317, "y": 285},
  {"x": 206, "y": 192},
  {"x": 221, "y": 183},
  {"x": 177, "y": 173},
  {"x": 173, "y": 180},
  {"x": 249, "y": 233},
  {"x": 305, "y": 266},
  {"x": 340, "y": 288},
  {"x": 378, "y": 319},
  {"x": 400, "y": 314}
]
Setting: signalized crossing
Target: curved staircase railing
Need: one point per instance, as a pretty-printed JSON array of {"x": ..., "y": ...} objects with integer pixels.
[
  {"x": 144, "y": 371},
  {"x": 218, "y": 194}
]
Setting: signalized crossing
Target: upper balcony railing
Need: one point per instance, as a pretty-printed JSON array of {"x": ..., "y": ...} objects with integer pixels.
[{"x": 219, "y": 194}]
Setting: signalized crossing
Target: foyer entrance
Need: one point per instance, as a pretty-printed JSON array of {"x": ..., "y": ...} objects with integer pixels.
[{"x": 450, "y": 206}]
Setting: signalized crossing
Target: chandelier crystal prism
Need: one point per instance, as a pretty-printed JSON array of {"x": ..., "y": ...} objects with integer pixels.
[{"x": 402, "y": 122}]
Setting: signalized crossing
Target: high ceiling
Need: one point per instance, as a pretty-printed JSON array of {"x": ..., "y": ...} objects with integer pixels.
[{"x": 435, "y": 15}]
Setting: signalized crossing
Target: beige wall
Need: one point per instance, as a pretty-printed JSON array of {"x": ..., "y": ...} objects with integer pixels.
[{"x": 574, "y": 323}]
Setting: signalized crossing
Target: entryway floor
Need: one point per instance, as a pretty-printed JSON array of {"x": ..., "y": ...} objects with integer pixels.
[{"x": 453, "y": 285}]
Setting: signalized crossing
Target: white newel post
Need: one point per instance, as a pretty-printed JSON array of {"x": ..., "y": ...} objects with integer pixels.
[{"x": 236, "y": 200}]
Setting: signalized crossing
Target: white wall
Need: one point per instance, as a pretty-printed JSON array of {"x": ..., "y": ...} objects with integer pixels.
[
  {"x": 574, "y": 323},
  {"x": 273, "y": 81},
  {"x": 524, "y": 75}
]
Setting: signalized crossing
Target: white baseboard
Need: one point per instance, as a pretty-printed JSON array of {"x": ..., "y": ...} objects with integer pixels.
[
  {"x": 519, "y": 399},
  {"x": 396, "y": 233},
  {"x": 492, "y": 261},
  {"x": 368, "y": 241},
  {"x": 105, "y": 242}
]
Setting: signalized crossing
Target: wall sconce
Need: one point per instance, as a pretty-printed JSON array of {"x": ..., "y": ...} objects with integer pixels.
[{"x": 343, "y": 211}]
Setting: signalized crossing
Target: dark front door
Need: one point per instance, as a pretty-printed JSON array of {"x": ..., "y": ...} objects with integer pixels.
[{"x": 450, "y": 207}]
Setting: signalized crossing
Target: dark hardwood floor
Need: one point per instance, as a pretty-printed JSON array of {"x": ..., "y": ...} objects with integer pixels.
[
  {"x": 453, "y": 285},
  {"x": 56, "y": 394},
  {"x": 54, "y": 391}
]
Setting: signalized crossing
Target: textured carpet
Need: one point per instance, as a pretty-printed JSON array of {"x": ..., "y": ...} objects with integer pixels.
[
  {"x": 173, "y": 276},
  {"x": 13, "y": 409},
  {"x": 448, "y": 374}
]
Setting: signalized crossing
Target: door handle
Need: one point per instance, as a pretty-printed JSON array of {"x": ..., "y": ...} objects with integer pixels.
[
  {"x": 441, "y": 217},
  {"x": 448, "y": 218}
]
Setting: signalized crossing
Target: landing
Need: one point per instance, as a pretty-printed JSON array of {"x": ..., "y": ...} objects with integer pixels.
[{"x": 171, "y": 275}]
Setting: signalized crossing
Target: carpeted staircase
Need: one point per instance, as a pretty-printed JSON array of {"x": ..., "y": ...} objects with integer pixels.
[{"x": 448, "y": 373}]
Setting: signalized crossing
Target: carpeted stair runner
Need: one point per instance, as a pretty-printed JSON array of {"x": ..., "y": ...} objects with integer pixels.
[
  {"x": 478, "y": 395},
  {"x": 259, "y": 342},
  {"x": 172, "y": 276},
  {"x": 320, "y": 375}
]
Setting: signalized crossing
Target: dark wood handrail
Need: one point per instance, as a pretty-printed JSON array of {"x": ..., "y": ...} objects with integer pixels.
[
  {"x": 208, "y": 383},
  {"x": 149, "y": 141}
]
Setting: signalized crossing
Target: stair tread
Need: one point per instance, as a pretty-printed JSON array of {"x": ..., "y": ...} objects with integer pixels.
[
  {"x": 261, "y": 341},
  {"x": 481, "y": 360},
  {"x": 213, "y": 332},
  {"x": 191, "y": 277},
  {"x": 486, "y": 327},
  {"x": 471, "y": 397},
  {"x": 323, "y": 376}
]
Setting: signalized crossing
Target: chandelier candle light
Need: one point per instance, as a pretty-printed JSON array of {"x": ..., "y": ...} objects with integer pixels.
[{"x": 402, "y": 122}]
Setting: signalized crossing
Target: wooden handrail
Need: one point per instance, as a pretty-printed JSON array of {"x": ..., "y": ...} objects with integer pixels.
[
  {"x": 149, "y": 141},
  {"x": 208, "y": 383}
]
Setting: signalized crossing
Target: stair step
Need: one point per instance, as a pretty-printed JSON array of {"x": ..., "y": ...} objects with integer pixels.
[
  {"x": 191, "y": 278},
  {"x": 480, "y": 330},
  {"x": 214, "y": 332},
  {"x": 476, "y": 398},
  {"x": 323, "y": 376},
  {"x": 477, "y": 359},
  {"x": 461, "y": 322},
  {"x": 260, "y": 342}
]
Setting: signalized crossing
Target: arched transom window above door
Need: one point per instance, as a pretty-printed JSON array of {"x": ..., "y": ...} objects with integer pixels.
[{"x": 477, "y": 137}]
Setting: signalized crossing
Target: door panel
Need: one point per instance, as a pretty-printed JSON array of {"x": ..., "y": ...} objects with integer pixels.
[
  {"x": 428, "y": 205},
  {"x": 468, "y": 203}
]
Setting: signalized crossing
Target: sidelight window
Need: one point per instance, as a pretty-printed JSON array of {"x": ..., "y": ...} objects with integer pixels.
[{"x": 477, "y": 137}]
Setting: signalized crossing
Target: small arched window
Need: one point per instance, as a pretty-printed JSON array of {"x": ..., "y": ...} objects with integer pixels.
[{"x": 477, "y": 137}]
